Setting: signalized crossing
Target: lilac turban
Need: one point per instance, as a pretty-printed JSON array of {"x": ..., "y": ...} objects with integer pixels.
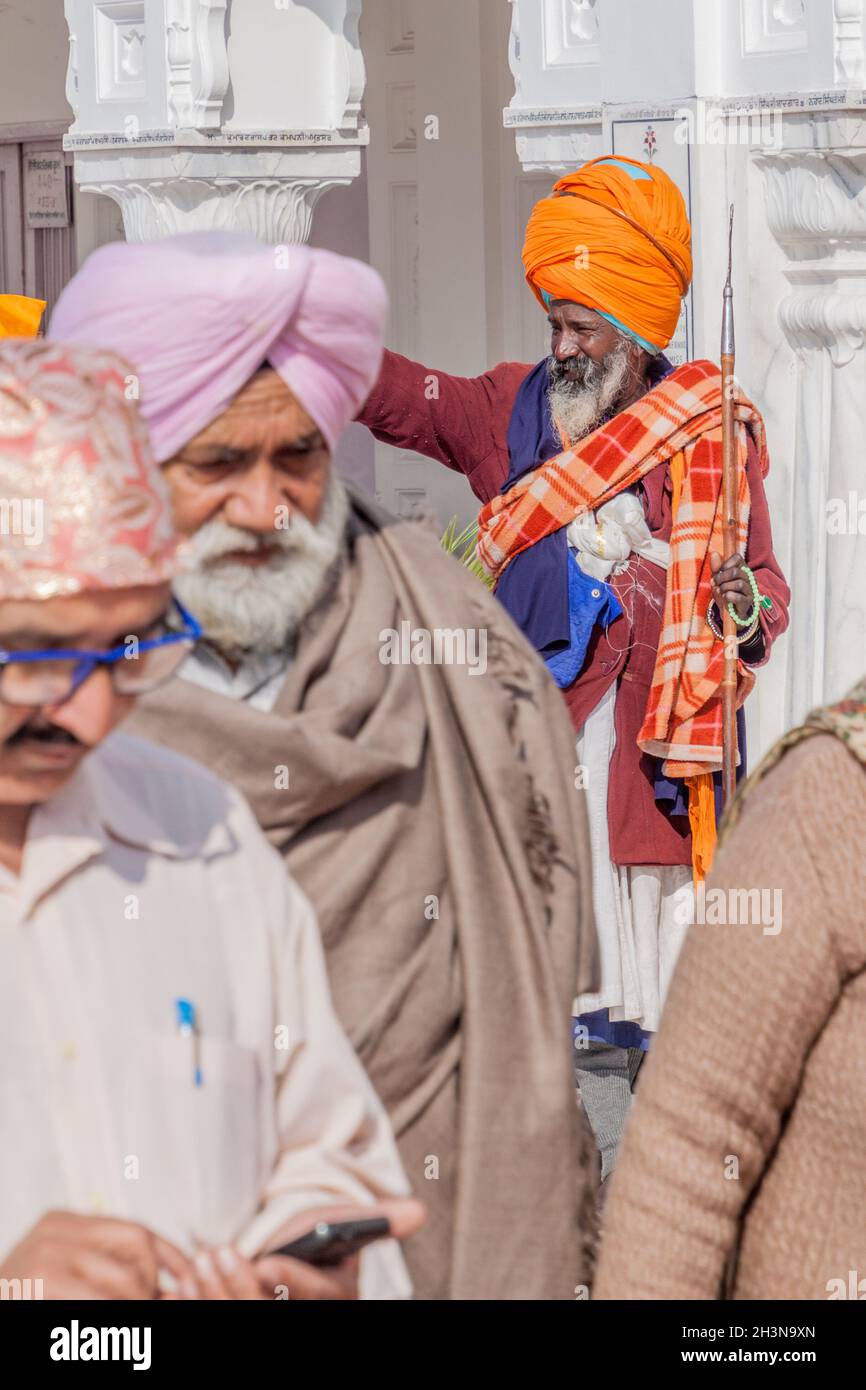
[{"x": 197, "y": 315}]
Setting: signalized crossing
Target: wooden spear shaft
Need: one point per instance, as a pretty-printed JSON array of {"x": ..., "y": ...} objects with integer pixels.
[{"x": 730, "y": 531}]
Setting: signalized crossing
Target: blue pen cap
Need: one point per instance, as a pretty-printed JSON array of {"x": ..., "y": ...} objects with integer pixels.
[{"x": 185, "y": 1013}]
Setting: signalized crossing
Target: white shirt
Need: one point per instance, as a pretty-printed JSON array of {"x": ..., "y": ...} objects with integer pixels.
[
  {"x": 146, "y": 880},
  {"x": 257, "y": 680}
]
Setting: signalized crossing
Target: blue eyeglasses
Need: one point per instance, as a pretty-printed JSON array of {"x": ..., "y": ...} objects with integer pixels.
[{"x": 49, "y": 677}]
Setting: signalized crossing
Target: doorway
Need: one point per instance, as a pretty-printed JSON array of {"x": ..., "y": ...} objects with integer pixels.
[{"x": 35, "y": 261}]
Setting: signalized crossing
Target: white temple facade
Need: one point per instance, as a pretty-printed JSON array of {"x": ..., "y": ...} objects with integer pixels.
[{"x": 418, "y": 133}]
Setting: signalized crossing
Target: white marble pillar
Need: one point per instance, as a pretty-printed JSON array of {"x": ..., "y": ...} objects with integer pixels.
[
  {"x": 196, "y": 114},
  {"x": 815, "y": 190}
]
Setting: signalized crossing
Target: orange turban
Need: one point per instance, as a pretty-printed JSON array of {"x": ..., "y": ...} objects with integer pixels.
[
  {"x": 20, "y": 317},
  {"x": 614, "y": 236}
]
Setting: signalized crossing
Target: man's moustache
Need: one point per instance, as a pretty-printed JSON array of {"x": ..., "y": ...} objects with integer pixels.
[
  {"x": 43, "y": 732},
  {"x": 577, "y": 372}
]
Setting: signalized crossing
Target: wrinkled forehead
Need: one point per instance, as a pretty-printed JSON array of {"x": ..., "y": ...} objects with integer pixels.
[
  {"x": 264, "y": 404},
  {"x": 568, "y": 309},
  {"x": 76, "y": 617}
]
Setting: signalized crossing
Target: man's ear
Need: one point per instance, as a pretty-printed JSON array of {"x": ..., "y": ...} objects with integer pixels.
[{"x": 639, "y": 360}]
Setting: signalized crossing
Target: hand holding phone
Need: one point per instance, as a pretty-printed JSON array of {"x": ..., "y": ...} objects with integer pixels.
[{"x": 331, "y": 1242}]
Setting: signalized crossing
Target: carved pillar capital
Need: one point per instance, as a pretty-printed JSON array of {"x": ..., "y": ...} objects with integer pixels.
[
  {"x": 186, "y": 135},
  {"x": 266, "y": 193},
  {"x": 816, "y": 210}
]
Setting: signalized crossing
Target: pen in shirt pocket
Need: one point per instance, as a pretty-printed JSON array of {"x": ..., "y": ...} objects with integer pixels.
[{"x": 187, "y": 1027}]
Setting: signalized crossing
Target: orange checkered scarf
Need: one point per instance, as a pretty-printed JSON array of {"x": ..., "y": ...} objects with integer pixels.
[{"x": 678, "y": 422}]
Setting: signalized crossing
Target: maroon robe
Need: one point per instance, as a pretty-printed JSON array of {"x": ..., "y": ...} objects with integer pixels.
[{"x": 463, "y": 422}]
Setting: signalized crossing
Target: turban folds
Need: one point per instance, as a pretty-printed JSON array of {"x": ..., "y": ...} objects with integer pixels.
[
  {"x": 20, "y": 316},
  {"x": 615, "y": 237},
  {"x": 84, "y": 504},
  {"x": 198, "y": 314}
]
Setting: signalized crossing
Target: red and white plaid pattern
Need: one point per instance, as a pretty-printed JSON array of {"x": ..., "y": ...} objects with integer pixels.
[{"x": 682, "y": 415}]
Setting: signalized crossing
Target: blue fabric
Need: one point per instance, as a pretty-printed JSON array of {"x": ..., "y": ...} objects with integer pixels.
[
  {"x": 630, "y": 169},
  {"x": 600, "y": 1030},
  {"x": 590, "y": 601},
  {"x": 674, "y": 792},
  {"x": 623, "y": 327},
  {"x": 534, "y": 587}
]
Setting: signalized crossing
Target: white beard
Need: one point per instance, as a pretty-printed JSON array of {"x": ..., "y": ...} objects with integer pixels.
[
  {"x": 577, "y": 408},
  {"x": 242, "y": 608}
]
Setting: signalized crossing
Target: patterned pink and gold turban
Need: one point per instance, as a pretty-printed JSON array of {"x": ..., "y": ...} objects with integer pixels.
[{"x": 82, "y": 502}]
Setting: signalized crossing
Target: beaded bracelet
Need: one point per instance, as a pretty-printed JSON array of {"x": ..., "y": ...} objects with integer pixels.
[
  {"x": 759, "y": 601},
  {"x": 741, "y": 636},
  {"x": 750, "y": 623}
]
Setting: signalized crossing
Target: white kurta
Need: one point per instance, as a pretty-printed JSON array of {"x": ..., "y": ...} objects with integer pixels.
[
  {"x": 642, "y": 912},
  {"x": 146, "y": 880}
]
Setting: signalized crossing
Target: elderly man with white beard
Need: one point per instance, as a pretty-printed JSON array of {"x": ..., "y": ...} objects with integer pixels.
[
  {"x": 603, "y": 540},
  {"x": 431, "y": 818}
]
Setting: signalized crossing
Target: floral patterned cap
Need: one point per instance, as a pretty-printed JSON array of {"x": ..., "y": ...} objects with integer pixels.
[{"x": 82, "y": 503}]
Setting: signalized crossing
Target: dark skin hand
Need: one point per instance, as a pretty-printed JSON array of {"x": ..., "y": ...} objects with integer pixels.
[{"x": 730, "y": 585}]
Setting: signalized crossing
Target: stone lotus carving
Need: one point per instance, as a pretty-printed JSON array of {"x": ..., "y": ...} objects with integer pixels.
[
  {"x": 815, "y": 196},
  {"x": 816, "y": 210},
  {"x": 276, "y": 210}
]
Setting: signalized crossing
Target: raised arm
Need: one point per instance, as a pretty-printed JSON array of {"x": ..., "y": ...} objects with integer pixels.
[{"x": 461, "y": 421}]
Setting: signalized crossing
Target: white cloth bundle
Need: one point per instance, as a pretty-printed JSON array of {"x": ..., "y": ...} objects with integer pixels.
[{"x": 605, "y": 539}]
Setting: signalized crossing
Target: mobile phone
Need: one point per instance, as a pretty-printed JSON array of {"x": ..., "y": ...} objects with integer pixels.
[{"x": 329, "y": 1242}]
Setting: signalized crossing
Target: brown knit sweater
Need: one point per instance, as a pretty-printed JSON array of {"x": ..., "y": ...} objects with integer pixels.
[{"x": 750, "y": 1119}]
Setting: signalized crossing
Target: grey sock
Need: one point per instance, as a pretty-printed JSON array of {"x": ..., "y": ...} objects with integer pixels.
[{"x": 604, "y": 1076}]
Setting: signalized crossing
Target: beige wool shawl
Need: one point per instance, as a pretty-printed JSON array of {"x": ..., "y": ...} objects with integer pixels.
[{"x": 431, "y": 817}]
